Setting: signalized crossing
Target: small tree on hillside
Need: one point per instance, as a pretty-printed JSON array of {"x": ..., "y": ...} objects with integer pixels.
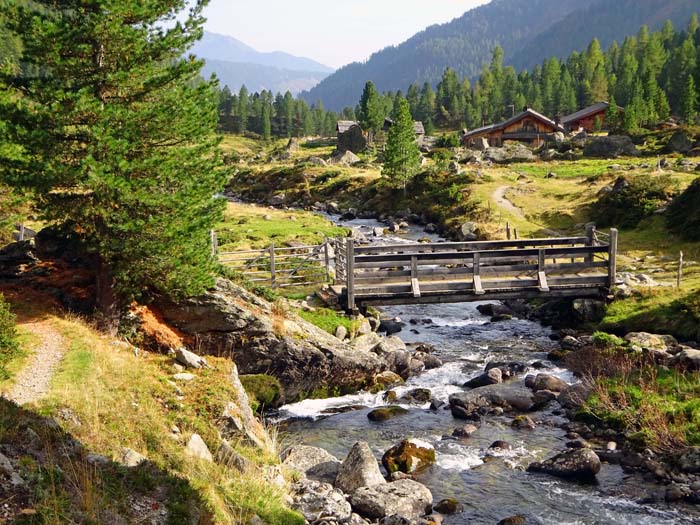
[
  {"x": 402, "y": 156},
  {"x": 370, "y": 112},
  {"x": 120, "y": 133}
]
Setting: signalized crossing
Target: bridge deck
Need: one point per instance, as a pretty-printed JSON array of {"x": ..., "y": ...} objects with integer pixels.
[{"x": 474, "y": 271}]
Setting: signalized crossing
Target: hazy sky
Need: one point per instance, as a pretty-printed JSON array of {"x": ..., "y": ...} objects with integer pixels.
[{"x": 333, "y": 32}]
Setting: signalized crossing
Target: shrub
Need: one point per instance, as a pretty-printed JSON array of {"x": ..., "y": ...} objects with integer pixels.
[
  {"x": 265, "y": 390},
  {"x": 632, "y": 200},
  {"x": 9, "y": 347},
  {"x": 683, "y": 216},
  {"x": 450, "y": 140},
  {"x": 605, "y": 340}
]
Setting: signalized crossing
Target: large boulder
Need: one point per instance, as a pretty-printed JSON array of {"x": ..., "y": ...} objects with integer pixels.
[
  {"x": 509, "y": 153},
  {"x": 352, "y": 140},
  {"x": 312, "y": 462},
  {"x": 229, "y": 321},
  {"x": 347, "y": 158},
  {"x": 409, "y": 456},
  {"x": 610, "y": 147},
  {"x": 405, "y": 497},
  {"x": 575, "y": 396},
  {"x": 647, "y": 341},
  {"x": 490, "y": 377},
  {"x": 579, "y": 463},
  {"x": 679, "y": 142},
  {"x": 360, "y": 469},
  {"x": 588, "y": 310},
  {"x": 688, "y": 357},
  {"x": 549, "y": 382}
]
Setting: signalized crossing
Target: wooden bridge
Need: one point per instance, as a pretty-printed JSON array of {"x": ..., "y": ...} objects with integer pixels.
[{"x": 453, "y": 272}]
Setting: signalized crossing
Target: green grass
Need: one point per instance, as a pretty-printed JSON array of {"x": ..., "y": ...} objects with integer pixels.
[
  {"x": 11, "y": 350},
  {"x": 247, "y": 227},
  {"x": 327, "y": 319}
]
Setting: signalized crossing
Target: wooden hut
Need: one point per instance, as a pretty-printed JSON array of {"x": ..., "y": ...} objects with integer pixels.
[
  {"x": 588, "y": 119},
  {"x": 529, "y": 127}
]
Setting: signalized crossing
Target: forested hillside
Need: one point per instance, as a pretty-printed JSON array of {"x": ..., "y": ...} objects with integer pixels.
[
  {"x": 463, "y": 44},
  {"x": 653, "y": 75},
  {"x": 529, "y": 32},
  {"x": 606, "y": 20}
]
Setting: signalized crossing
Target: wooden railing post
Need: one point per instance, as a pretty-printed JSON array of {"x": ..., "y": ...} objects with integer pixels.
[
  {"x": 541, "y": 274},
  {"x": 22, "y": 233},
  {"x": 612, "y": 258},
  {"x": 590, "y": 234},
  {"x": 415, "y": 286},
  {"x": 327, "y": 259},
  {"x": 476, "y": 268},
  {"x": 273, "y": 279},
  {"x": 350, "y": 271}
]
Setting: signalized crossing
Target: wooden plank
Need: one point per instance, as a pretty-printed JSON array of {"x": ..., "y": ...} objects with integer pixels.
[
  {"x": 272, "y": 264},
  {"x": 350, "y": 273},
  {"x": 467, "y": 246},
  {"x": 541, "y": 276},
  {"x": 476, "y": 275},
  {"x": 415, "y": 287}
]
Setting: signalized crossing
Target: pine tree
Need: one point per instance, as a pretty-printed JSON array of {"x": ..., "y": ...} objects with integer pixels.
[
  {"x": 266, "y": 120},
  {"x": 689, "y": 100},
  {"x": 370, "y": 112},
  {"x": 242, "y": 109},
  {"x": 120, "y": 131},
  {"x": 612, "y": 115},
  {"x": 402, "y": 156}
]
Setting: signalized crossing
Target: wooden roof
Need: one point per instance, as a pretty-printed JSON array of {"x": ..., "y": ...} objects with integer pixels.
[
  {"x": 343, "y": 125},
  {"x": 506, "y": 123},
  {"x": 596, "y": 108},
  {"x": 418, "y": 127}
]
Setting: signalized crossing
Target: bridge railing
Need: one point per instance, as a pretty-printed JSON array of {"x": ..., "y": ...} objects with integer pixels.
[{"x": 431, "y": 272}]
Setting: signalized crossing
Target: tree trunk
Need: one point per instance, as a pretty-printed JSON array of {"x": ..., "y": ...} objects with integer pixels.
[{"x": 106, "y": 299}]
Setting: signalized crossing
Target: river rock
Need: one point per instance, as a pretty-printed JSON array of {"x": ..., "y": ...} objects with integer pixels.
[
  {"x": 366, "y": 342},
  {"x": 360, "y": 469},
  {"x": 391, "y": 326},
  {"x": 490, "y": 377},
  {"x": 313, "y": 462},
  {"x": 418, "y": 396},
  {"x": 493, "y": 309},
  {"x": 430, "y": 228},
  {"x": 523, "y": 423},
  {"x": 569, "y": 342},
  {"x": 507, "y": 396},
  {"x": 379, "y": 415},
  {"x": 518, "y": 519},
  {"x": 588, "y": 310},
  {"x": 500, "y": 445},
  {"x": 549, "y": 382},
  {"x": 429, "y": 360},
  {"x": 405, "y": 497},
  {"x": 314, "y": 499},
  {"x": 388, "y": 379},
  {"x": 575, "y": 396},
  {"x": 409, "y": 456},
  {"x": 508, "y": 369},
  {"x": 389, "y": 344},
  {"x": 581, "y": 464},
  {"x": 448, "y": 506},
  {"x": 465, "y": 431}
]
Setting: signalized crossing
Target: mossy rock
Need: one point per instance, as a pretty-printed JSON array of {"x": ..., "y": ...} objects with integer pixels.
[
  {"x": 448, "y": 506},
  {"x": 514, "y": 520},
  {"x": 265, "y": 391},
  {"x": 557, "y": 354},
  {"x": 409, "y": 456},
  {"x": 386, "y": 413}
]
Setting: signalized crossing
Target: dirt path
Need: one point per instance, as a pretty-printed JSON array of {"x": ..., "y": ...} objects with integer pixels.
[
  {"x": 499, "y": 197},
  {"x": 32, "y": 382}
]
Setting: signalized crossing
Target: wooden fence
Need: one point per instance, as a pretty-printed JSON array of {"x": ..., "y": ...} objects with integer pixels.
[{"x": 281, "y": 267}]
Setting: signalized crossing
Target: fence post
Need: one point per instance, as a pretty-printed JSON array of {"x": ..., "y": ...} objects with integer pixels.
[
  {"x": 612, "y": 258},
  {"x": 327, "y": 258},
  {"x": 21, "y": 232},
  {"x": 680, "y": 271},
  {"x": 273, "y": 280},
  {"x": 476, "y": 274},
  {"x": 350, "y": 271},
  {"x": 508, "y": 229},
  {"x": 590, "y": 234},
  {"x": 214, "y": 242}
]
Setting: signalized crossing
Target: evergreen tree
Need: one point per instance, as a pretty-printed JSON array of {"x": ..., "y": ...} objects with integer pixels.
[
  {"x": 370, "y": 112},
  {"x": 689, "y": 100},
  {"x": 612, "y": 115},
  {"x": 402, "y": 156},
  {"x": 121, "y": 139},
  {"x": 242, "y": 109},
  {"x": 266, "y": 120}
]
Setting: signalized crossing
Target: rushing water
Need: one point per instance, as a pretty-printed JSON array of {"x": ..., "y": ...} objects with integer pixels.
[{"x": 491, "y": 486}]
